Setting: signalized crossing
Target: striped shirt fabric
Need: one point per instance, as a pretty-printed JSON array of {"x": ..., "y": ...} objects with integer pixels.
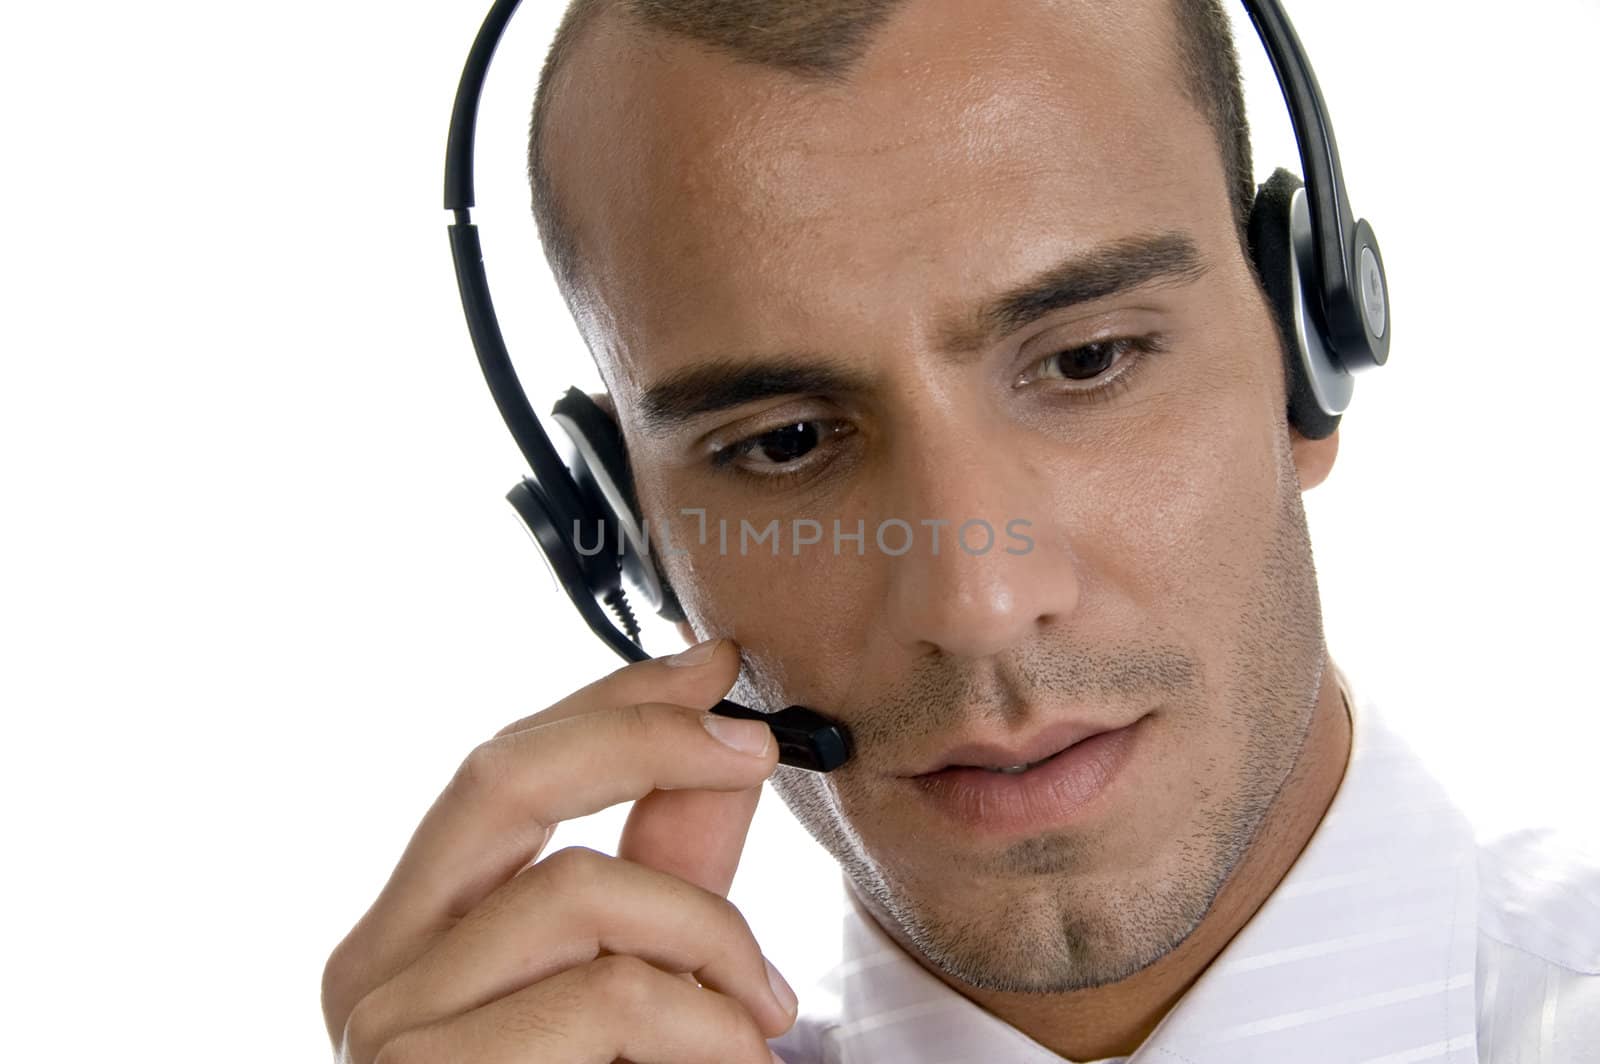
[{"x": 1397, "y": 936}]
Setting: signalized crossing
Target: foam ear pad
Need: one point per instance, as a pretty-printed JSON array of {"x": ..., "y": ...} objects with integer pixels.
[
  {"x": 600, "y": 443},
  {"x": 1271, "y": 251}
]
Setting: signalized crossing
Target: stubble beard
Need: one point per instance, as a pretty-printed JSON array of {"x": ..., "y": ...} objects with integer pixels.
[{"x": 1061, "y": 934}]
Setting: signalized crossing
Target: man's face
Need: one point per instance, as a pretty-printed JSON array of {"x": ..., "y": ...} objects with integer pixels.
[{"x": 733, "y": 216}]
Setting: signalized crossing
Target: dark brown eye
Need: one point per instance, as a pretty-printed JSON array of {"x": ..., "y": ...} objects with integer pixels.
[
  {"x": 1082, "y": 363},
  {"x": 1095, "y": 372},
  {"x": 789, "y": 454},
  {"x": 788, "y": 444}
]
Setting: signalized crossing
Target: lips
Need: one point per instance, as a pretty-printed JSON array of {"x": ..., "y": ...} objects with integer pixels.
[
  {"x": 1069, "y": 791},
  {"x": 991, "y": 753}
]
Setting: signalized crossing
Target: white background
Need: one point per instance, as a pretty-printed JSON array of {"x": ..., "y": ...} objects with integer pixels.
[{"x": 259, "y": 592}]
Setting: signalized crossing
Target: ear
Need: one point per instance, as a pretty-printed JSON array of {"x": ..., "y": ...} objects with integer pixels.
[{"x": 1314, "y": 458}]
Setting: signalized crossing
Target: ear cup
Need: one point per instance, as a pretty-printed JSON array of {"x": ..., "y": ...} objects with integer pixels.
[
  {"x": 1271, "y": 237},
  {"x": 598, "y": 459}
]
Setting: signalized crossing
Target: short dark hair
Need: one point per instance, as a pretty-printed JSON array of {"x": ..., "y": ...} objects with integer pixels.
[{"x": 823, "y": 40}]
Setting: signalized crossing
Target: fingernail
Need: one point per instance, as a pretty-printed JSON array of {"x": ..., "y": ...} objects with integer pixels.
[
  {"x": 780, "y": 989},
  {"x": 745, "y": 736},
  {"x": 698, "y": 654}
]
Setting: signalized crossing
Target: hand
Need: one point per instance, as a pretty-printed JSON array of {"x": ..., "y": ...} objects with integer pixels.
[{"x": 477, "y": 950}]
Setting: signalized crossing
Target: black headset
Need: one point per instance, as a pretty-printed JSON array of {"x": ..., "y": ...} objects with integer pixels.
[{"x": 1321, "y": 270}]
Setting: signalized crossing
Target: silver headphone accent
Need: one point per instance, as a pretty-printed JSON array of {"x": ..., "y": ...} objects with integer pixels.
[{"x": 1330, "y": 382}]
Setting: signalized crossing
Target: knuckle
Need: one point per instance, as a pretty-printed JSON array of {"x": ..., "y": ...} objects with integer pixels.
[
  {"x": 669, "y": 732},
  {"x": 522, "y": 723},
  {"x": 551, "y": 1024},
  {"x": 366, "y": 1031},
  {"x": 653, "y": 724},
  {"x": 734, "y": 930},
  {"x": 618, "y": 984},
  {"x": 405, "y": 1048},
  {"x": 483, "y": 771},
  {"x": 637, "y": 720},
  {"x": 735, "y": 918},
  {"x": 338, "y": 981},
  {"x": 398, "y": 1051},
  {"x": 737, "y": 1030},
  {"x": 573, "y": 869}
]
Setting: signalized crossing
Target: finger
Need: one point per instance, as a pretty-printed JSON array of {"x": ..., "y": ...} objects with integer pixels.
[
  {"x": 695, "y": 835},
  {"x": 613, "y": 1007},
  {"x": 498, "y": 812},
  {"x": 697, "y": 677},
  {"x": 520, "y": 784},
  {"x": 566, "y": 911},
  {"x": 379, "y": 944}
]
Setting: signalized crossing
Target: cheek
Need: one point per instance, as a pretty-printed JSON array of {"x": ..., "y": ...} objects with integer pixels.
[
  {"x": 1189, "y": 497},
  {"x": 779, "y": 606},
  {"x": 1194, "y": 513}
]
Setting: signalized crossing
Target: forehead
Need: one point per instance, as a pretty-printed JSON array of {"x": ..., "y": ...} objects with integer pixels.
[{"x": 715, "y": 200}]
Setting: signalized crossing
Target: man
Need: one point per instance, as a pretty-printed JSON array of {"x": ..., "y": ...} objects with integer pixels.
[{"x": 942, "y": 266}]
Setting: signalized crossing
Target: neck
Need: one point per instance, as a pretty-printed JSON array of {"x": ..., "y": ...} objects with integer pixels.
[{"x": 1115, "y": 1020}]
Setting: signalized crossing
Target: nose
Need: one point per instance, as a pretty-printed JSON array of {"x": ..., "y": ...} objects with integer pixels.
[{"x": 987, "y": 569}]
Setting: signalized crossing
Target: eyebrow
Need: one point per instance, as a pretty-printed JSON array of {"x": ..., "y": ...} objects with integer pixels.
[
  {"x": 724, "y": 383},
  {"x": 1083, "y": 277},
  {"x": 1101, "y": 272}
]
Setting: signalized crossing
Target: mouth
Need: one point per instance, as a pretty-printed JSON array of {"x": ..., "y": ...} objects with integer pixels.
[
  {"x": 1059, "y": 789},
  {"x": 1000, "y": 770},
  {"x": 1015, "y": 758},
  {"x": 1017, "y": 770}
]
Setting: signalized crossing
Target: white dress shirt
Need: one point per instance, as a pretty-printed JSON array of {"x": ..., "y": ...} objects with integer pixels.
[{"x": 1396, "y": 936}]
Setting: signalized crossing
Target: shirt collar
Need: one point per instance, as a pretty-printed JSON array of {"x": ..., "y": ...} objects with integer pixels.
[{"x": 1365, "y": 951}]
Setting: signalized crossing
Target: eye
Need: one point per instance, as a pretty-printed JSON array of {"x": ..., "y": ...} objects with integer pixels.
[
  {"x": 781, "y": 451},
  {"x": 1094, "y": 362},
  {"x": 1082, "y": 363}
]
